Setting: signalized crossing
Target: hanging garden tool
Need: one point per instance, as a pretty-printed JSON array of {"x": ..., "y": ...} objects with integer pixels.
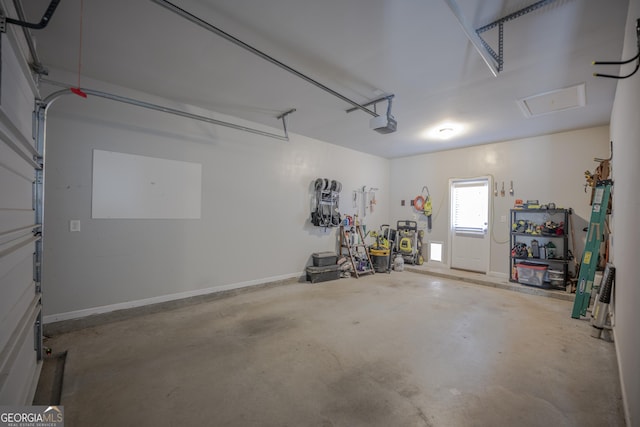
[{"x": 423, "y": 204}]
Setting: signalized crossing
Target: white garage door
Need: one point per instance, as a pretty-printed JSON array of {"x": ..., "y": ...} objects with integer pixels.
[{"x": 20, "y": 302}]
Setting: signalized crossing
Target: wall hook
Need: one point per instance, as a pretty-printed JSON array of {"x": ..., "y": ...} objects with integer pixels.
[{"x": 635, "y": 58}]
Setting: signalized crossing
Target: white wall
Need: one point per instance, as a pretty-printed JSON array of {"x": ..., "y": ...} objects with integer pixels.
[
  {"x": 549, "y": 168},
  {"x": 625, "y": 131},
  {"x": 256, "y": 196}
]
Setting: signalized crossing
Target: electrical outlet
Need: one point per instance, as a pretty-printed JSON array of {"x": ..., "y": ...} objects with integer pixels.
[{"x": 74, "y": 225}]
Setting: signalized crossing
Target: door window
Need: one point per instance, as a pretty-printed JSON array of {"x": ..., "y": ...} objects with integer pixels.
[{"x": 469, "y": 208}]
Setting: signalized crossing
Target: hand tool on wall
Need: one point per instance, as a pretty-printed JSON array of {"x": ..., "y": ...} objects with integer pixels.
[
  {"x": 423, "y": 204},
  {"x": 428, "y": 208}
]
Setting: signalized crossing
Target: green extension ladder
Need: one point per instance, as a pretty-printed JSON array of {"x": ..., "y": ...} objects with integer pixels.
[{"x": 589, "y": 263}]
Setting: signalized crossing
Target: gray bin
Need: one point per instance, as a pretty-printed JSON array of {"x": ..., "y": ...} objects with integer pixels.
[
  {"x": 320, "y": 259},
  {"x": 323, "y": 274}
]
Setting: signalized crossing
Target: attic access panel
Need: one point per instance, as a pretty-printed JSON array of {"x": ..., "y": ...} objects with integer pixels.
[{"x": 553, "y": 101}]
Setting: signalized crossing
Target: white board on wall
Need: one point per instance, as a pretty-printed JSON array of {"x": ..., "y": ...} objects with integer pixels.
[{"x": 132, "y": 186}]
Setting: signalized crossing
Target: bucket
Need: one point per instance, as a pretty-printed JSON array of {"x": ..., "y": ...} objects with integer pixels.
[{"x": 380, "y": 259}]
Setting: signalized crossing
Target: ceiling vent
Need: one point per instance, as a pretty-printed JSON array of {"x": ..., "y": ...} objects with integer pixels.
[{"x": 554, "y": 101}]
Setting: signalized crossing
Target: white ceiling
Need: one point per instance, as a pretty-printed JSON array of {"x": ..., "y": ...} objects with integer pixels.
[{"x": 414, "y": 49}]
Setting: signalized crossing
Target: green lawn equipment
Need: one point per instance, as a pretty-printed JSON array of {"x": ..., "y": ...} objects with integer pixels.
[{"x": 409, "y": 242}]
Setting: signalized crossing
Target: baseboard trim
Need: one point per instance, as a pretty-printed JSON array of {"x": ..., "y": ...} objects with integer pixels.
[
  {"x": 625, "y": 402},
  {"x": 161, "y": 299},
  {"x": 498, "y": 274}
]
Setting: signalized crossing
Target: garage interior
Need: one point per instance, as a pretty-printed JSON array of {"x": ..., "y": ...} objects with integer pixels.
[{"x": 185, "y": 160}]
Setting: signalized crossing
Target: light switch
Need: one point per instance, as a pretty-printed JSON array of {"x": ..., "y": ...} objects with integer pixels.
[
  {"x": 503, "y": 218},
  {"x": 74, "y": 225}
]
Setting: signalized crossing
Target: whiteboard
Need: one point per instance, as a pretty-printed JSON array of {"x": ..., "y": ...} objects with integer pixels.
[{"x": 132, "y": 186}]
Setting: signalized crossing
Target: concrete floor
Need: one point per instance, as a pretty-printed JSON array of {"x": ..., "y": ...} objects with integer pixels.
[{"x": 400, "y": 349}]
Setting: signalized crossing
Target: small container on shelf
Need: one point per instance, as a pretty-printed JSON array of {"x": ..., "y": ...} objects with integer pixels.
[
  {"x": 555, "y": 277},
  {"x": 531, "y": 273}
]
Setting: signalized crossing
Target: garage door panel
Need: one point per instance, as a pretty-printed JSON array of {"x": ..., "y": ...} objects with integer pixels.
[
  {"x": 14, "y": 280},
  {"x": 13, "y": 220},
  {"x": 15, "y": 252},
  {"x": 17, "y": 97},
  {"x": 16, "y": 189},
  {"x": 21, "y": 109},
  {"x": 18, "y": 290},
  {"x": 10, "y": 160},
  {"x": 20, "y": 380},
  {"x": 10, "y": 319},
  {"x": 20, "y": 306}
]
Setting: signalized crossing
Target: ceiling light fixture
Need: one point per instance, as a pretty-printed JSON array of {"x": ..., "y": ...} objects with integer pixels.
[{"x": 444, "y": 131}]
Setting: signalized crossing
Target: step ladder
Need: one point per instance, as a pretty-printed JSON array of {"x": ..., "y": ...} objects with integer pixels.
[
  {"x": 357, "y": 251},
  {"x": 599, "y": 208}
]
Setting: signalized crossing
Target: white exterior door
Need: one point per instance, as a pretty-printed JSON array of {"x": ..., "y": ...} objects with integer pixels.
[{"x": 469, "y": 224}]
